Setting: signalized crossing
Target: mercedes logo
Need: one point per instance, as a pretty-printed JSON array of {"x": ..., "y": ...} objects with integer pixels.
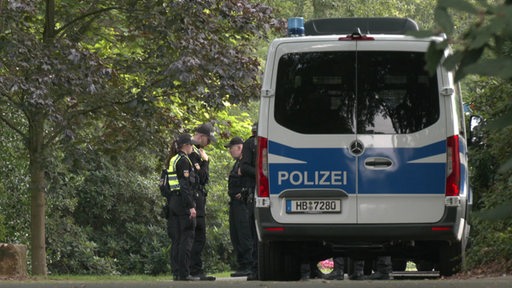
[{"x": 356, "y": 147}]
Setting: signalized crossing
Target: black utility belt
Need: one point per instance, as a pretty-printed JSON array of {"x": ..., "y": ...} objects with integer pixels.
[{"x": 178, "y": 192}]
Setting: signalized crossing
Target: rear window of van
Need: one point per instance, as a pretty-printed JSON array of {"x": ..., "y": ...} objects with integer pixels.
[{"x": 348, "y": 92}]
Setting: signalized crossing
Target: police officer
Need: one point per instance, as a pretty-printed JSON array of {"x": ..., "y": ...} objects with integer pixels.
[
  {"x": 183, "y": 182},
  {"x": 337, "y": 272},
  {"x": 203, "y": 136},
  {"x": 239, "y": 225},
  {"x": 248, "y": 170}
]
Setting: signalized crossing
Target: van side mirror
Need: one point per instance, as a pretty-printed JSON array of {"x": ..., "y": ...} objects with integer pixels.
[{"x": 476, "y": 130}]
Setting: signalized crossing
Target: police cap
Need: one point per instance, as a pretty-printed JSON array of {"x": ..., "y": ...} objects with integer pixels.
[
  {"x": 234, "y": 141},
  {"x": 206, "y": 129},
  {"x": 185, "y": 139}
]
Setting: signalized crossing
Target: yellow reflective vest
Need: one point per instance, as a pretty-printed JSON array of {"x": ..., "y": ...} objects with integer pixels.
[{"x": 174, "y": 184}]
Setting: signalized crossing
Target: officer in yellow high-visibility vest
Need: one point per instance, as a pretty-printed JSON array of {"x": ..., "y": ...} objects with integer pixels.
[{"x": 183, "y": 183}]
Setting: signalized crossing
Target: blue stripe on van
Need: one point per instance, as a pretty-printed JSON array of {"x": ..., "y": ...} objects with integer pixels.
[{"x": 335, "y": 168}]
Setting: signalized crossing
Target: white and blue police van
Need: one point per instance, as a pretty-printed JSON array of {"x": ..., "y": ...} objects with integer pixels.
[{"x": 361, "y": 152}]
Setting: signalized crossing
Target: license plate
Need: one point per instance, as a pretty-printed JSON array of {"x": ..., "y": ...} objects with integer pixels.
[{"x": 313, "y": 206}]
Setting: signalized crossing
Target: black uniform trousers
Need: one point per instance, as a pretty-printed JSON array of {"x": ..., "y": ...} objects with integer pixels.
[
  {"x": 182, "y": 229},
  {"x": 196, "y": 262},
  {"x": 241, "y": 234},
  {"x": 173, "y": 233},
  {"x": 252, "y": 219}
]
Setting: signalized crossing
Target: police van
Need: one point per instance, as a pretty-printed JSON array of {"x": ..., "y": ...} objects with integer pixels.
[{"x": 361, "y": 152}]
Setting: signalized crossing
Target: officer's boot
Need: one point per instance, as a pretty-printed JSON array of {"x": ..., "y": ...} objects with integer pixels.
[
  {"x": 305, "y": 271},
  {"x": 358, "y": 270},
  {"x": 383, "y": 269},
  {"x": 337, "y": 270}
]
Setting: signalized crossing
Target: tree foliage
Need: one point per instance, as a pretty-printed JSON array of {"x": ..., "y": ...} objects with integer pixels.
[
  {"x": 491, "y": 179},
  {"x": 483, "y": 52},
  {"x": 113, "y": 77},
  {"x": 420, "y": 11}
]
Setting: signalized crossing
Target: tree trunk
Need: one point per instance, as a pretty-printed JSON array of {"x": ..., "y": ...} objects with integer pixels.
[
  {"x": 37, "y": 192},
  {"x": 37, "y": 167}
]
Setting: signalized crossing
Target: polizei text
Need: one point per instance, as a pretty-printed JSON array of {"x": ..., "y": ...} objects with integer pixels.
[{"x": 307, "y": 178}]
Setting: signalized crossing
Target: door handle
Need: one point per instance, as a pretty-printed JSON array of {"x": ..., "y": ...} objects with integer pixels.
[{"x": 378, "y": 163}]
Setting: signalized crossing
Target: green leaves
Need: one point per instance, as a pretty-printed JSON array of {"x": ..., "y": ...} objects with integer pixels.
[
  {"x": 481, "y": 44},
  {"x": 443, "y": 19},
  {"x": 499, "y": 67},
  {"x": 499, "y": 212},
  {"x": 502, "y": 121},
  {"x": 460, "y": 5},
  {"x": 434, "y": 55},
  {"x": 480, "y": 49},
  {"x": 483, "y": 50}
]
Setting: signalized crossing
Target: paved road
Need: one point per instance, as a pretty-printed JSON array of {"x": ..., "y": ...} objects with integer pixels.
[{"x": 493, "y": 282}]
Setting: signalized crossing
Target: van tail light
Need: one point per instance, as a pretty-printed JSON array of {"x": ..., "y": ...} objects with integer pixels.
[
  {"x": 453, "y": 167},
  {"x": 262, "y": 162}
]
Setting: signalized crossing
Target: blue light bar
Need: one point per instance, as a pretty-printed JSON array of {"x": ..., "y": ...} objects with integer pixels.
[{"x": 295, "y": 27}]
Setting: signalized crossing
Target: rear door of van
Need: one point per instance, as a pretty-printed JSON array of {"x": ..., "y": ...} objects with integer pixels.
[
  {"x": 356, "y": 134},
  {"x": 401, "y": 126}
]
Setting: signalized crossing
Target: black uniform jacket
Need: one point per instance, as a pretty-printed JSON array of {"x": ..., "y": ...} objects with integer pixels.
[
  {"x": 234, "y": 181},
  {"x": 248, "y": 163},
  {"x": 187, "y": 179},
  {"x": 202, "y": 169}
]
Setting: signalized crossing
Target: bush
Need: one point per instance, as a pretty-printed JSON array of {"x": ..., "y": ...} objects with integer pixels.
[
  {"x": 70, "y": 251},
  {"x": 491, "y": 235},
  {"x": 14, "y": 196},
  {"x": 2, "y": 229},
  {"x": 103, "y": 215}
]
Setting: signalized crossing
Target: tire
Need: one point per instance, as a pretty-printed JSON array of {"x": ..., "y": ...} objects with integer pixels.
[
  {"x": 398, "y": 264},
  {"x": 369, "y": 266},
  {"x": 278, "y": 262},
  {"x": 451, "y": 257},
  {"x": 425, "y": 265}
]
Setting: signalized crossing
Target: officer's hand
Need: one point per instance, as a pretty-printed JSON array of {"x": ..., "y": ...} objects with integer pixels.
[
  {"x": 203, "y": 154},
  {"x": 192, "y": 213},
  {"x": 238, "y": 196}
]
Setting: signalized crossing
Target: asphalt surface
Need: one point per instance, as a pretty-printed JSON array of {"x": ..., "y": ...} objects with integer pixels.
[{"x": 488, "y": 282}]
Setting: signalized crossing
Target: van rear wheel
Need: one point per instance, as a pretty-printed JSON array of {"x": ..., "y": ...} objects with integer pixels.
[
  {"x": 399, "y": 264},
  {"x": 451, "y": 257},
  {"x": 278, "y": 262},
  {"x": 425, "y": 265}
]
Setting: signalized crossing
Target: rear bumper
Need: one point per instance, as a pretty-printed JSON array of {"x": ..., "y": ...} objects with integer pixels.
[{"x": 447, "y": 229}]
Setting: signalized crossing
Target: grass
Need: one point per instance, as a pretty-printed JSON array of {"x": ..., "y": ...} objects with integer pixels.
[{"x": 108, "y": 277}]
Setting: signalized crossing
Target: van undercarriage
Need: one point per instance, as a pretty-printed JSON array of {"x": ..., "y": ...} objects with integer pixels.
[{"x": 433, "y": 246}]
